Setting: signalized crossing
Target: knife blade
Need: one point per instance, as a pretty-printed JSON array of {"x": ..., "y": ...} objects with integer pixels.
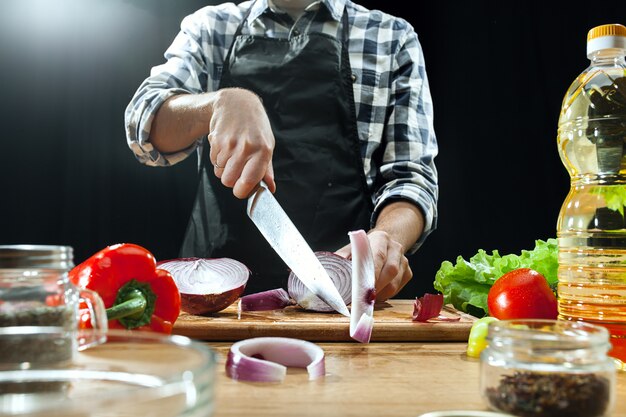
[{"x": 282, "y": 235}]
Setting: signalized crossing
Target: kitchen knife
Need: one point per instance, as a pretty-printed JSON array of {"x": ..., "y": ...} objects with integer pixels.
[{"x": 284, "y": 237}]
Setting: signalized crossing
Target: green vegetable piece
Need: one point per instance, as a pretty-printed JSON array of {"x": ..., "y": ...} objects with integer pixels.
[
  {"x": 477, "y": 341},
  {"x": 614, "y": 195}
]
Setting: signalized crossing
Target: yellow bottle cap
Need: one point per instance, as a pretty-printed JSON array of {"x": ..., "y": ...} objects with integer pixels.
[{"x": 612, "y": 36}]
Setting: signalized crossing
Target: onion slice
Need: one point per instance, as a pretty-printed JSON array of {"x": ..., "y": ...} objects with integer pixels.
[
  {"x": 207, "y": 285},
  {"x": 265, "y": 359},
  {"x": 363, "y": 287},
  {"x": 428, "y": 308},
  {"x": 339, "y": 270},
  {"x": 265, "y": 300}
]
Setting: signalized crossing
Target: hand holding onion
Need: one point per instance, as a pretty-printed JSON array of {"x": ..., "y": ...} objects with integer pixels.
[{"x": 391, "y": 267}]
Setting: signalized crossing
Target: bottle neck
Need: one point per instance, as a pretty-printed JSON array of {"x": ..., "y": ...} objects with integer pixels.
[{"x": 610, "y": 57}]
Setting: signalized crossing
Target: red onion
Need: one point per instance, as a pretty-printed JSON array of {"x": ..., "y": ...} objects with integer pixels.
[
  {"x": 363, "y": 287},
  {"x": 265, "y": 359},
  {"x": 339, "y": 270},
  {"x": 207, "y": 285},
  {"x": 428, "y": 307},
  {"x": 265, "y": 300}
]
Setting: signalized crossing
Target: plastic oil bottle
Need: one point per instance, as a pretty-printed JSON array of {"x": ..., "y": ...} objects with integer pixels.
[{"x": 591, "y": 229}]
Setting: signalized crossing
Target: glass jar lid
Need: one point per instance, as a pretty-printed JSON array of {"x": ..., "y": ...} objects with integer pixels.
[
  {"x": 549, "y": 341},
  {"x": 36, "y": 257}
]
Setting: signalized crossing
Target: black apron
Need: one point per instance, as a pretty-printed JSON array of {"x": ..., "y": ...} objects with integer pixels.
[{"x": 306, "y": 86}]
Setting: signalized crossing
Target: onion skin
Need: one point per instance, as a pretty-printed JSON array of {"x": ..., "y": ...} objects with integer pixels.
[
  {"x": 428, "y": 308},
  {"x": 207, "y": 285},
  {"x": 203, "y": 304},
  {"x": 266, "y": 300},
  {"x": 363, "y": 287},
  {"x": 265, "y": 359}
]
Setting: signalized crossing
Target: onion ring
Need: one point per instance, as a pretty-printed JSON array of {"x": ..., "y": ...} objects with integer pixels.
[
  {"x": 363, "y": 287},
  {"x": 265, "y": 359}
]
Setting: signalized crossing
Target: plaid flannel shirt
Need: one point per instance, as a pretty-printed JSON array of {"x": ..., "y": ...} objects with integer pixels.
[{"x": 391, "y": 92}]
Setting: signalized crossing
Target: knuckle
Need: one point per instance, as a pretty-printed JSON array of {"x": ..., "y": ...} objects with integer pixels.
[
  {"x": 228, "y": 181},
  {"x": 379, "y": 235},
  {"x": 392, "y": 269},
  {"x": 380, "y": 255},
  {"x": 245, "y": 183}
]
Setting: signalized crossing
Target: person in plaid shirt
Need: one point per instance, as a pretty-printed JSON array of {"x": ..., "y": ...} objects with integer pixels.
[{"x": 325, "y": 101}]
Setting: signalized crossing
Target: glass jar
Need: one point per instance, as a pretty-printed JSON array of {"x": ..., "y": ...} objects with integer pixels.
[
  {"x": 37, "y": 299},
  {"x": 134, "y": 373},
  {"x": 548, "y": 368}
]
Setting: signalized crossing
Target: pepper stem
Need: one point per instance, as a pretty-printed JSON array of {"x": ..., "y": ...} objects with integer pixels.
[{"x": 134, "y": 305}]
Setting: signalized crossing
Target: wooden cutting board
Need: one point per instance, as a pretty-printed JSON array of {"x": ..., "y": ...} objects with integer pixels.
[{"x": 392, "y": 323}]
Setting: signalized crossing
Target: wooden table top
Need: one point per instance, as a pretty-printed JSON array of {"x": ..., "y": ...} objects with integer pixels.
[{"x": 376, "y": 379}]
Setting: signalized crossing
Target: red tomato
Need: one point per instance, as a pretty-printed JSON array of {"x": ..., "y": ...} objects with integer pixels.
[{"x": 522, "y": 294}]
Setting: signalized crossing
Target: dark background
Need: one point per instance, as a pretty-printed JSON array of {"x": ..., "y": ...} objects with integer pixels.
[{"x": 498, "y": 71}]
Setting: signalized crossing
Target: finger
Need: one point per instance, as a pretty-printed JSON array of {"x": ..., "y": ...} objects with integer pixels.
[
  {"x": 251, "y": 174},
  {"x": 392, "y": 265},
  {"x": 232, "y": 171},
  {"x": 379, "y": 253},
  {"x": 386, "y": 293},
  {"x": 213, "y": 150},
  {"x": 397, "y": 283},
  {"x": 406, "y": 276},
  {"x": 218, "y": 169},
  {"x": 269, "y": 178},
  {"x": 345, "y": 252},
  {"x": 218, "y": 160}
]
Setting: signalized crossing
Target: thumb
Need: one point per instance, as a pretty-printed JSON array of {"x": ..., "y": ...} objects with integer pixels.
[{"x": 345, "y": 252}]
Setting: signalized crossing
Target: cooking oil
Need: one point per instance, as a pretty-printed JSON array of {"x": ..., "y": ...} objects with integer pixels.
[{"x": 591, "y": 229}]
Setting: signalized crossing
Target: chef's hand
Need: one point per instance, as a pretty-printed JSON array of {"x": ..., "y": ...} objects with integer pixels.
[
  {"x": 241, "y": 140},
  {"x": 391, "y": 267}
]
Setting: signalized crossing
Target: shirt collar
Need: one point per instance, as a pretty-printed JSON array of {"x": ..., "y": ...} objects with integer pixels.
[{"x": 334, "y": 6}]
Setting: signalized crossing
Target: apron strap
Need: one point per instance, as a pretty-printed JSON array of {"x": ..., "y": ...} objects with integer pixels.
[
  {"x": 237, "y": 33},
  {"x": 345, "y": 32}
]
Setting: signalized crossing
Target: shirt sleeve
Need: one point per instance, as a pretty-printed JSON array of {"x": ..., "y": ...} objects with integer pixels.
[
  {"x": 184, "y": 72},
  {"x": 408, "y": 171}
]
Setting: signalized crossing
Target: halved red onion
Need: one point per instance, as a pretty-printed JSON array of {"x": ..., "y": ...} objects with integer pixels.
[
  {"x": 339, "y": 270},
  {"x": 363, "y": 287},
  {"x": 265, "y": 359},
  {"x": 428, "y": 308},
  {"x": 207, "y": 285},
  {"x": 265, "y": 300}
]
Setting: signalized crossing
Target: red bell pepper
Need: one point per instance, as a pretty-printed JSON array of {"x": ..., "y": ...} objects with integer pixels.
[{"x": 136, "y": 294}]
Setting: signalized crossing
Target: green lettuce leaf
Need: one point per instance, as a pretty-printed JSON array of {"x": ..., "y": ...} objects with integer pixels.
[{"x": 466, "y": 284}]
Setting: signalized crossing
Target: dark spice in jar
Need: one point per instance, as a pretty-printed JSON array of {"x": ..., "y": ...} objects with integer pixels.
[
  {"x": 41, "y": 348},
  {"x": 25, "y": 314},
  {"x": 534, "y": 394},
  {"x": 47, "y": 348}
]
